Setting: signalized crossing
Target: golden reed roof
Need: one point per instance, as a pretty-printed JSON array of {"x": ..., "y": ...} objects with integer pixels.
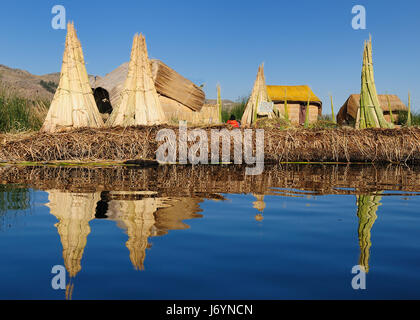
[{"x": 292, "y": 93}]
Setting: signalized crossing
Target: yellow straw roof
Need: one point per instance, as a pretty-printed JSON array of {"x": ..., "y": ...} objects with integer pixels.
[{"x": 292, "y": 93}]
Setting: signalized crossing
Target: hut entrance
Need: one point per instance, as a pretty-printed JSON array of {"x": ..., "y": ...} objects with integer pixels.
[
  {"x": 302, "y": 114},
  {"x": 102, "y": 100}
]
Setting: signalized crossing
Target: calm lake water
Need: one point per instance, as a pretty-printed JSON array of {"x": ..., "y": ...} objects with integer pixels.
[{"x": 294, "y": 232}]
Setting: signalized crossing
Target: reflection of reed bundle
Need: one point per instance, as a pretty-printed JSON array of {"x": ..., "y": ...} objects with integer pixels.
[
  {"x": 366, "y": 212},
  {"x": 138, "y": 219},
  {"x": 259, "y": 204},
  {"x": 74, "y": 211},
  {"x": 140, "y": 103},
  {"x": 73, "y": 105}
]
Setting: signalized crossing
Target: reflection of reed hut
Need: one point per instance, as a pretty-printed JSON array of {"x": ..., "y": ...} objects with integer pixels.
[
  {"x": 74, "y": 211},
  {"x": 136, "y": 216},
  {"x": 348, "y": 112},
  {"x": 366, "y": 212},
  {"x": 297, "y": 98},
  {"x": 180, "y": 98},
  {"x": 143, "y": 215}
]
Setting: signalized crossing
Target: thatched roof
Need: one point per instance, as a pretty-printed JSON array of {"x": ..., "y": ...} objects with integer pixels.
[
  {"x": 292, "y": 94},
  {"x": 352, "y": 104}
]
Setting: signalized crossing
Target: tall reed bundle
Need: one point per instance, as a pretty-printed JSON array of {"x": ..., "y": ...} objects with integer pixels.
[
  {"x": 73, "y": 105},
  {"x": 219, "y": 103},
  {"x": 367, "y": 205},
  {"x": 408, "y": 124},
  {"x": 140, "y": 103},
  {"x": 370, "y": 113},
  {"x": 259, "y": 94}
]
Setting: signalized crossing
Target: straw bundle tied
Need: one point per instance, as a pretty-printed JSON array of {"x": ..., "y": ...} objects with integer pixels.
[
  {"x": 259, "y": 94},
  {"x": 73, "y": 105},
  {"x": 370, "y": 114},
  {"x": 140, "y": 103}
]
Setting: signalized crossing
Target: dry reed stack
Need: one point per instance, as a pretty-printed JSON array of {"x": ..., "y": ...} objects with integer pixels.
[
  {"x": 140, "y": 103},
  {"x": 367, "y": 205},
  {"x": 370, "y": 114},
  {"x": 73, "y": 105},
  {"x": 259, "y": 94},
  {"x": 170, "y": 83}
]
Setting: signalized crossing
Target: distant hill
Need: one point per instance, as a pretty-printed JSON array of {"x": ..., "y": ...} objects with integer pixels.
[
  {"x": 31, "y": 86},
  {"x": 226, "y": 104}
]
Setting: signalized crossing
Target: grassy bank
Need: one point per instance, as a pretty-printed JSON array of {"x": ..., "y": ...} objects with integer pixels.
[
  {"x": 292, "y": 145},
  {"x": 18, "y": 114}
]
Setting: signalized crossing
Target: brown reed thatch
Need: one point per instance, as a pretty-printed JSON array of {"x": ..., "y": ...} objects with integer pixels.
[
  {"x": 259, "y": 94},
  {"x": 73, "y": 105},
  {"x": 348, "y": 111},
  {"x": 140, "y": 103},
  {"x": 120, "y": 144},
  {"x": 171, "y": 84}
]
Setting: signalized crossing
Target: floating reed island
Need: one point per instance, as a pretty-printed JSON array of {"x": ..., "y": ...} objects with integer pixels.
[
  {"x": 117, "y": 117},
  {"x": 122, "y": 144}
]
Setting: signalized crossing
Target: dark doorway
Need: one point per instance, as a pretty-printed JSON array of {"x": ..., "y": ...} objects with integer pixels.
[
  {"x": 102, "y": 100},
  {"x": 302, "y": 114}
]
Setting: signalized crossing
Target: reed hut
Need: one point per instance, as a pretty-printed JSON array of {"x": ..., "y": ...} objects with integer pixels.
[
  {"x": 367, "y": 205},
  {"x": 179, "y": 97},
  {"x": 140, "y": 103},
  {"x": 258, "y": 96},
  {"x": 389, "y": 103},
  {"x": 73, "y": 105},
  {"x": 295, "y": 99}
]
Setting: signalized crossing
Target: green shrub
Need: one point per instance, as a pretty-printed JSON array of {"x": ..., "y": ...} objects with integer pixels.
[
  {"x": 18, "y": 114},
  {"x": 403, "y": 115},
  {"x": 50, "y": 86},
  {"x": 237, "y": 110}
]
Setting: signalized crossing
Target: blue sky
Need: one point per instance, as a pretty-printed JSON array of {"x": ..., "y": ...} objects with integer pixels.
[{"x": 300, "y": 42}]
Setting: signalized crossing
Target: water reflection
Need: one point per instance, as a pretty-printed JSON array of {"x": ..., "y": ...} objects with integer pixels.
[
  {"x": 367, "y": 205},
  {"x": 140, "y": 214},
  {"x": 172, "y": 195}
]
